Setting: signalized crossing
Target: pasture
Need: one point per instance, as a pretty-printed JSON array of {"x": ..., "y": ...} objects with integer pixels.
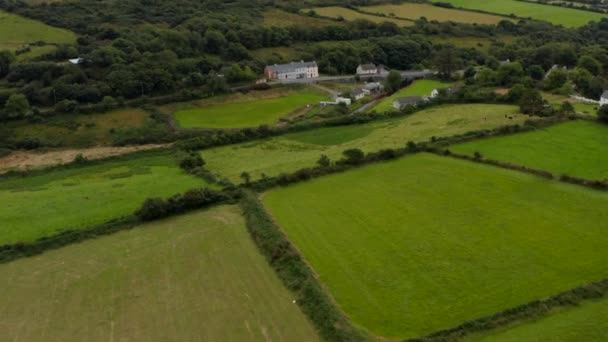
[
  {"x": 298, "y": 150},
  {"x": 413, "y": 11},
  {"x": 76, "y": 130},
  {"x": 577, "y": 148},
  {"x": 18, "y": 31},
  {"x": 196, "y": 277},
  {"x": 586, "y": 322},
  {"x": 426, "y": 242},
  {"x": 579, "y": 106},
  {"x": 418, "y": 88},
  {"x": 556, "y": 15},
  {"x": 249, "y": 110},
  {"x": 278, "y": 18},
  {"x": 47, "y": 203},
  {"x": 350, "y": 15}
]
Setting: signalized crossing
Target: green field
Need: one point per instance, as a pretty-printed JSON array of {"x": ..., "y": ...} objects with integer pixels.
[
  {"x": 582, "y": 323},
  {"x": 295, "y": 151},
  {"x": 46, "y": 204},
  {"x": 427, "y": 242},
  {"x": 76, "y": 130},
  {"x": 579, "y": 106},
  {"x": 418, "y": 88},
  {"x": 18, "y": 32},
  {"x": 414, "y": 11},
  {"x": 576, "y": 148},
  {"x": 235, "y": 113},
  {"x": 350, "y": 15},
  {"x": 557, "y": 15},
  {"x": 196, "y": 277}
]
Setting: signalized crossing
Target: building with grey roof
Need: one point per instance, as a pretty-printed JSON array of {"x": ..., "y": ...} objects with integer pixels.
[{"x": 292, "y": 71}]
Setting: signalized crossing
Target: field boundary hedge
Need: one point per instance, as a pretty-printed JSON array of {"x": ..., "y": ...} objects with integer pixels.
[
  {"x": 533, "y": 309},
  {"x": 151, "y": 209},
  {"x": 331, "y": 323}
]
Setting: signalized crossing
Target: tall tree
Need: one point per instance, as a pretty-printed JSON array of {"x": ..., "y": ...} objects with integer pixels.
[{"x": 447, "y": 61}]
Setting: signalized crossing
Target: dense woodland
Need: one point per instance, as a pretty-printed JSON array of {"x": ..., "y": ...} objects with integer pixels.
[{"x": 143, "y": 48}]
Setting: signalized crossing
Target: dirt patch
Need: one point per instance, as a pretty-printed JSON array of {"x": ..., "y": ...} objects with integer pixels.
[
  {"x": 27, "y": 160},
  {"x": 502, "y": 91}
]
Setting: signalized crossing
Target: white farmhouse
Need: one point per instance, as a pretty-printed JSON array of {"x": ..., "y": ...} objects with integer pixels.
[
  {"x": 367, "y": 69},
  {"x": 604, "y": 99},
  {"x": 292, "y": 71}
]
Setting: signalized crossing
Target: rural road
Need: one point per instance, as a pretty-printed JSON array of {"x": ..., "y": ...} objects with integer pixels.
[{"x": 404, "y": 74}]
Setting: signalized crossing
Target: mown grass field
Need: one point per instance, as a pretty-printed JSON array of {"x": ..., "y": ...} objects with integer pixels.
[
  {"x": 427, "y": 242},
  {"x": 586, "y": 322},
  {"x": 295, "y": 151},
  {"x": 556, "y": 15},
  {"x": 196, "y": 277},
  {"x": 415, "y": 11},
  {"x": 251, "y": 110},
  {"x": 350, "y": 15},
  {"x": 76, "y": 130},
  {"x": 578, "y": 148},
  {"x": 18, "y": 31},
  {"x": 275, "y": 17},
  {"x": 418, "y": 88},
  {"x": 46, "y": 204}
]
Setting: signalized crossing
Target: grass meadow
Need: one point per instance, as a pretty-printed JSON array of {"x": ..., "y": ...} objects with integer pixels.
[
  {"x": 76, "y": 130},
  {"x": 556, "y": 15},
  {"x": 350, "y": 15},
  {"x": 418, "y": 88},
  {"x": 193, "y": 277},
  {"x": 18, "y": 31},
  {"x": 48, "y": 203},
  {"x": 577, "y": 148},
  {"x": 298, "y": 150},
  {"x": 414, "y": 11},
  {"x": 426, "y": 242},
  {"x": 579, "y": 106},
  {"x": 239, "y": 111},
  {"x": 586, "y": 322}
]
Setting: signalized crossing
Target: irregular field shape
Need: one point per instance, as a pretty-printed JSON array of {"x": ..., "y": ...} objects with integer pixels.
[
  {"x": 350, "y": 15},
  {"x": 18, "y": 31},
  {"x": 77, "y": 130},
  {"x": 189, "y": 278},
  {"x": 418, "y": 88},
  {"x": 557, "y": 15},
  {"x": 586, "y": 322},
  {"x": 426, "y": 242},
  {"x": 415, "y": 11},
  {"x": 280, "y": 18},
  {"x": 46, "y": 204},
  {"x": 295, "y": 151},
  {"x": 578, "y": 148},
  {"x": 246, "y": 114}
]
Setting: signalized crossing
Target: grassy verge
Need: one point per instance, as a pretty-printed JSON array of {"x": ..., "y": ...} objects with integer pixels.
[
  {"x": 350, "y": 15},
  {"x": 331, "y": 323}
]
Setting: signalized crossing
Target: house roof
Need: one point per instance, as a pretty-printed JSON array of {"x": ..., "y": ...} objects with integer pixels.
[
  {"x": 367, "y": 67},
  {"x": 372, "y": 86},
  {"x": 291, "y": 67},
  {"x": 605, "y": 95},
  {"x": 409, "y": 100},
  {"x": 358, "y": 92}
]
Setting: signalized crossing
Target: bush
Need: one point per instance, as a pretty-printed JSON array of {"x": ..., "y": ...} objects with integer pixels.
[{"x": 191, "y": 161}]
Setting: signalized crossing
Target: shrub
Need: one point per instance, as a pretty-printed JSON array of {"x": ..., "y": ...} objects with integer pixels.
[{"x": 191, "y": 161}]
